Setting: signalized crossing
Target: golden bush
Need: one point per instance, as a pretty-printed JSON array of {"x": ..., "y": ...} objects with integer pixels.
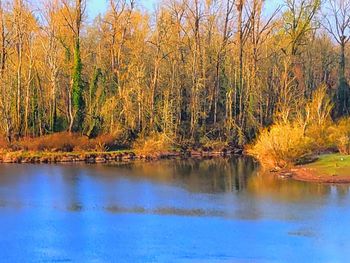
[
  {"x": 153, "y": 144},
  {"x": 340, "y": 136},
  {"x": 281, "y": 145},
  {"x": 286, "y": 143}
]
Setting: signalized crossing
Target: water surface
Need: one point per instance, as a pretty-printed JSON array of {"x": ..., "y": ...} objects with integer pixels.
[{"x": 219, "y": 210}]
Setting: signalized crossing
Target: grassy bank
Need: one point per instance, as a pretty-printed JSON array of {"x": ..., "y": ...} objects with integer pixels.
[
  {"x": 329, "y": 168},
  {"x": 331, "y": 165}
]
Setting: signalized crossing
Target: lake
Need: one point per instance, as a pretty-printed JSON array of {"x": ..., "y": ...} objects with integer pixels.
[{"x": 218, "y": 210}]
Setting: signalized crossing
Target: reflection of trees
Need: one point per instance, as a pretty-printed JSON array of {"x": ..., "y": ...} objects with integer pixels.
[
  {"x": 215, "y": 175},
  {"x": 197, "y": 175},
  {"x": 265, "y": 184},
  {"x": 72, "y": 188},
  {"x": 12, "y": 174},
  {"x": 56, "y": 186},
  {"x": 343, "y": 190}
]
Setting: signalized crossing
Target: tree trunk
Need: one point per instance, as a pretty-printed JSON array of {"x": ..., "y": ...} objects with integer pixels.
[
  {"x": 240, "y": 74},
  {"x": 343, "y": 88}
]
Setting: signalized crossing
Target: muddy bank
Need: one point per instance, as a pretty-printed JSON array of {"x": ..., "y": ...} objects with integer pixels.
[
  {"x": 310, "y": 175},
  {"x": 106, "y": 157}
]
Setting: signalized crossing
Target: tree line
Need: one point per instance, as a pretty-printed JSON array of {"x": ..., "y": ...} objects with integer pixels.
[{"x": 191, "y": 69}]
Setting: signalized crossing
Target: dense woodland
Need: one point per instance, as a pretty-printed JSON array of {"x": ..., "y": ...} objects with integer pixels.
[{"x": 193, "y": 70}]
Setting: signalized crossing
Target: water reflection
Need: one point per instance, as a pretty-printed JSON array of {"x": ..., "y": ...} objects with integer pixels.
[
  {"x": 265, "y": 184},
  {"x": 214, "y": 175},
  {"x": 236, "y": 181},
  {"x": 237, "y": 175},
  {"x": 195, "y": 210}
]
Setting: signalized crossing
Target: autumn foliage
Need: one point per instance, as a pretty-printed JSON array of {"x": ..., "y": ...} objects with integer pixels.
[
  {"x": 63, "y": 142},
  {"x": 154, "y": 144},
  {"x": 311, "y": 132},
  {"x": 194, "y": 72}
]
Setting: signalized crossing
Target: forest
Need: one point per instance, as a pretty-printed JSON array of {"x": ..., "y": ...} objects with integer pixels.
[{"x": 194, "y": 71}]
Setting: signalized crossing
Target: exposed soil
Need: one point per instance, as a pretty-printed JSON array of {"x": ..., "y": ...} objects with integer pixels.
[{"x": 310, "y": 175}]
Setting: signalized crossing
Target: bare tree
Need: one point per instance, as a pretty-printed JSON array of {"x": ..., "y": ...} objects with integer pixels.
[{"x": 337, "y": 23}]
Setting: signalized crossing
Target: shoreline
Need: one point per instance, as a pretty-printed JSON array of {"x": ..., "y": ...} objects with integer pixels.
[
  {"x": 297, "y": 173},
  {"x": 310, "y": 175},
  {"x": 26, "y": 157}
]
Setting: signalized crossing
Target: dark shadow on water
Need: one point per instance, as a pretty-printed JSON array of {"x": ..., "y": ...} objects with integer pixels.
[{"x": 167, "y": 211}]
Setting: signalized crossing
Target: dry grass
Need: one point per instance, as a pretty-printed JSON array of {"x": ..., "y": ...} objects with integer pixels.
[
  {"x": 153, "y": 144},
  {"x": 63, "y": 142}
]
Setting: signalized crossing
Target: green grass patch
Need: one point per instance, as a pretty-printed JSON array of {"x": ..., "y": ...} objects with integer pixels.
[{"x": 332, "y": 164}]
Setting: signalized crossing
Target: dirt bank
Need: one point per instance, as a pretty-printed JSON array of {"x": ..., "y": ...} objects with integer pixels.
[
  {"x": 105, "y": 157},
  {"x": 310, "y": 175}
]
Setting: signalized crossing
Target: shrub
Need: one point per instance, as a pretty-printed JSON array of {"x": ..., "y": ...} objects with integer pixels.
[
  {"x": 3, "y": 143},
  {"x": 287, "y": 143},
  {"x": 321, "y": 139},
  {"x": 216, "y": 145},
  {"x": 153, "y": 144},
  {"x": 105, "y": 142},
  {"x": 340, "y": 136},
  {"x": 317, "y": 120},
  {"x": 281, "y": 145},
  {"x": 64, "y": 142}
]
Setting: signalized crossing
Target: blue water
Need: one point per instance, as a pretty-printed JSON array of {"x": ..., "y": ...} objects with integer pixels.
[{"x": 169, "y": 211}]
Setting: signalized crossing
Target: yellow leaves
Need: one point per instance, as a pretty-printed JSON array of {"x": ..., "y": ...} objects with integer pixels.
[
  {"x": 280, "y": 145},
  {"x": 320, "y": 107},
  {"x": 340, "y": 135},
  {"x": 286, "y": 142},
  {"x": 109, "y": 106},
  {"x": 298, "y": 22},
  {"x": 154, "y": 144}
]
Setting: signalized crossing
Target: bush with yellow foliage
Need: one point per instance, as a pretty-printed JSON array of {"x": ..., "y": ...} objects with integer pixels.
[
  {"x": 154, "y": 144},
  {"x": 286, "y": 143},
  {"x": 340, "y": 135},
  {"x": 281, "y": 145}
]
